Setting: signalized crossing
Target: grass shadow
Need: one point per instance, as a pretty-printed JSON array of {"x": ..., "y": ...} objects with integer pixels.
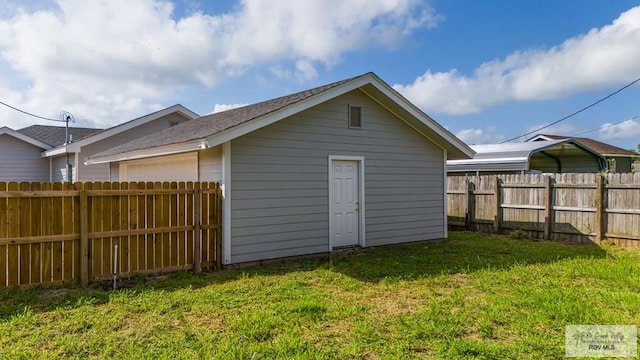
[{"x": 463, "y": 252}]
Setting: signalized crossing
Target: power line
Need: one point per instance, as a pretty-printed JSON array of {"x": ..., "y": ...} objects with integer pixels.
[
  {"x": 30, "y": 114},
  {"x": 575, "y": 113},
  {"x": 604, "y": 127}
]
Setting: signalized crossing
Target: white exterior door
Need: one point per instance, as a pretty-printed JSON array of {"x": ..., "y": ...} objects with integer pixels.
[{"x": 345, "y": 205}]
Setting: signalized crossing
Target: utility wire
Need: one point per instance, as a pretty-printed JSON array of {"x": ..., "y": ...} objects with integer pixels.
[
  {"x": 604, "y": 127},
  {"x": 30, "y": 114},
  {"x": 575, "y": 113}
]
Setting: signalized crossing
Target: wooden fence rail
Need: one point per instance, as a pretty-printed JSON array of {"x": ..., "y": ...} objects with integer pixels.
[
  {"x": 61, "y": 232},
  {"x": 567, "y": 207}
]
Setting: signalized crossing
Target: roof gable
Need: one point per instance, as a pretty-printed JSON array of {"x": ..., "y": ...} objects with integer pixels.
[
  {"x": 35, "y": 142},
  {"x": 55, "y": 135},
  {"x": 120, "y": 128},
  {"x": 212, "y": 130}
]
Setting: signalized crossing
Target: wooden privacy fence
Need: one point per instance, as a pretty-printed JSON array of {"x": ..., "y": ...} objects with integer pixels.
[
  {"x": 82, "y": 232},
  {"x": 565, "y": 207}
]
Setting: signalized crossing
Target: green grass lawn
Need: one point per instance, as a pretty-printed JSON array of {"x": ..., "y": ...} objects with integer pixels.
[{"x": 472, "y": 296}]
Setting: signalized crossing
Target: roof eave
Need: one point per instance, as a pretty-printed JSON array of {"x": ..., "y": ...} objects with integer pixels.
[
  {"x": 170, "y": 149},
  {"x": 621, "y": 155}
]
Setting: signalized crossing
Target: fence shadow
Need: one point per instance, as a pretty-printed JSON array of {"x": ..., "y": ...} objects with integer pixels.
[
  {"x": 564, "y": 232},
  {"x": 464, "y": 252}
]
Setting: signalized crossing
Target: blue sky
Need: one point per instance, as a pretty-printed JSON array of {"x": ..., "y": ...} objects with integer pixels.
[{"x": 486, "y": 70}]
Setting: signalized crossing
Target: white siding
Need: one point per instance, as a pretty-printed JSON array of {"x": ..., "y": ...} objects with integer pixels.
[
  {"x": 280, "y": 181},
  {"x": 114, "y": 169},
  {"x": 21, "y": 161},
  {"x": 59, "y": 168},
  {"x": 210, "y": 164},
  {"x": 178, "y": 167}
]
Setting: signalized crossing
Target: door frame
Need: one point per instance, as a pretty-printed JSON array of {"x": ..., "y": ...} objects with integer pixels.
[{"x": 361, "y": 217}]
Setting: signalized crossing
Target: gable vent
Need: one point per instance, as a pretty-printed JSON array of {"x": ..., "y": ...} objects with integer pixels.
[{"x": 355, "y": 117}]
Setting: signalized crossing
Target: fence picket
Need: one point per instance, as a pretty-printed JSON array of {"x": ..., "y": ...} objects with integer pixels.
[
  {"x": 190, "y": 216},
  {"x": 164, "y": 223},
  {"x": 55, "y": 232},
  {"x": 3, "y": 235},
  {"x": 24, "y": 250},
  {"x": 35, "y": 257},
  {"x": 579, "y": 211},
  {"x": 13, "y": 230},
  {"x": 173, "y": 219},
  {"x": 181, "y": 221}
]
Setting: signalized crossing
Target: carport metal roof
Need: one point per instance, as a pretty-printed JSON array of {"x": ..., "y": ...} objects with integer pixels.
[{"x": 511, "y": 157}]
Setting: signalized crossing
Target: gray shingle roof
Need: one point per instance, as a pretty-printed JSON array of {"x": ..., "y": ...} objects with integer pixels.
[
  {"x": 208, "y": 125},
  {"x": 54, "y": 135}
]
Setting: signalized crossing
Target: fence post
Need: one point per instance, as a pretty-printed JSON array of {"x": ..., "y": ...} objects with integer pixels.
[
  {"x": 497, "y": 206},
  {"x": 470, "y": 213},
  {"x": 600, "y": 208},
  {"x": 84, "y": 236},
  {"x": 197, "y": 236},
  {"x": 218, "y": 226},
  {"x": 548, "y": 207}
]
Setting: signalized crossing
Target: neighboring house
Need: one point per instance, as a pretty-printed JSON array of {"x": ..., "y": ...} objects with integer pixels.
[
  {"x": 79, "y": 149},
  {"x": 56, "y": 135},
  {"x": 20, "y": 157},
  {"x": 349, "y": 163},
  {"x": 21, "y": 150},
  {"x": 618, "y": 160},
  {"x": 556, "y": 156}
]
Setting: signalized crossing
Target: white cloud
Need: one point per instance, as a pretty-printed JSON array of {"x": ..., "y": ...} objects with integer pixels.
[
  {"x": 224, "y": 107},
  {"x": 106, "y": 60},
  {"x": 599, "y": 59},
  {"x": 625, "y": 130},
  {"x": 480, "y": 136}
]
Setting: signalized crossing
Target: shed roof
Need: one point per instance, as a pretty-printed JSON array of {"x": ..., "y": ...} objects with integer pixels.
[
  {"x": 214, "y": 129},
  {"x": 514, "y": 156}
]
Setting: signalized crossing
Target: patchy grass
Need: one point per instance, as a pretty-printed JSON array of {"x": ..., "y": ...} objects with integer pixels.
[{"x": 472, "y": 296}]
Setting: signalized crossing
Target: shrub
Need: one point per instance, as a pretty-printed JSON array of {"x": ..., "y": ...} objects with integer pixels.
[{"x": 519, "y": 235}]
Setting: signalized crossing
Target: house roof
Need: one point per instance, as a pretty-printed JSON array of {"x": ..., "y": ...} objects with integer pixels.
[
  {"x": 55, "y": 135},
  {"x": 513, "y": 156},
  {"x": 28, "y": 139},
  {"x": 597, "y": 146},
  {"x": 76, "y": 145},
  {"x": 215, "y": 129}
]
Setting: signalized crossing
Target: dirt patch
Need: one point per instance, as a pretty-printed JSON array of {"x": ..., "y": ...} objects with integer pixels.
[{"x": 57, "y": 294}]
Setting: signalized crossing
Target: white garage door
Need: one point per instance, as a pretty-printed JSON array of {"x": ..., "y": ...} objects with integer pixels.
[{"x": 181, "y": 167}]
